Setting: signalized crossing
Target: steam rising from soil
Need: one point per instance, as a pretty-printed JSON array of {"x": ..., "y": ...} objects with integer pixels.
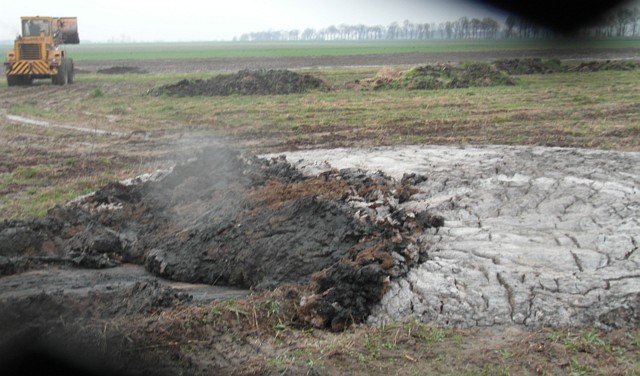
[{"x": 231, "y": 220}]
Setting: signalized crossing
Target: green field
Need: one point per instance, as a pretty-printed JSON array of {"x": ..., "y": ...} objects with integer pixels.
[{"x": 199, "y": 50}]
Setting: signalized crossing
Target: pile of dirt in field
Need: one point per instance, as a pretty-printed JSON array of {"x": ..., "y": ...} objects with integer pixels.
[
  {"x": 245, "y": 82},
  {"x": 528, "y": 66},
  {"x": 499, "y": 72},
  {"x": 247, "y": 222},
  {"x": 442, "y": 76},
  {"x": 122, "y": 70},
  {"x": 538, "y": 66},
  {"x": 595, "y": 66}
]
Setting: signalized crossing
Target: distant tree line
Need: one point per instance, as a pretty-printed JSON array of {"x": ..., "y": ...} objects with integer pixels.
[{"x": 617, "y": 23}]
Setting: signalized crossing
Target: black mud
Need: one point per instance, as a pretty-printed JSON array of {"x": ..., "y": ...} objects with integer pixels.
[{"x": 231, "y": 220}]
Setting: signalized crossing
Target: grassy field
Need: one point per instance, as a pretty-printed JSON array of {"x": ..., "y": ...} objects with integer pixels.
[
  {"x": 196, "y": 50},
  {"x": 595, "y": 110}
]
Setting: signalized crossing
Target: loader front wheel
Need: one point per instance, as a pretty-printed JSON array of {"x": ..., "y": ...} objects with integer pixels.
[
  {"x": 71, "y": 74},
  {"x": 62, "y": 77},
  {"x": 17, "y": 80},
  {"x": 13, "y": 80}
]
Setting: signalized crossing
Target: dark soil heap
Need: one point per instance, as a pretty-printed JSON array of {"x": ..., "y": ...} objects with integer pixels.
[
  {"x": 246, "y": 222},
  {"x": 245, "y": 82},
  {"x": 122, "y": 70},
  {"x": 538, "y": 66},
  {"x": 595, "y": 66},
  {"x": 528, "y": 66}
]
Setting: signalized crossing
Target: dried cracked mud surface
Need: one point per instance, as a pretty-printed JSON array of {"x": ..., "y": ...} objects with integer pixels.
[{"x": 532, "y": 236}]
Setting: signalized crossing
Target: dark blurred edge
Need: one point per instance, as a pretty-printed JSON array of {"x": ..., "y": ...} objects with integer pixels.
[{"x": 564, "y": 17}]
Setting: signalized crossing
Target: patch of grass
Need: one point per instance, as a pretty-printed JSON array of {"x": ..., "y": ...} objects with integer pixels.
[
  {"x": 272, "y": 306},
  {"x": 97, "y": 93},
  {"x": 579, "y": 369},
  {"x": 553, "y": 63},
  {"x": 28, "y": 108}
]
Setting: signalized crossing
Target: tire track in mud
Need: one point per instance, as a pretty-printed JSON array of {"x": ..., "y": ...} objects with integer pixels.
[{"x": 47, "y": 124}]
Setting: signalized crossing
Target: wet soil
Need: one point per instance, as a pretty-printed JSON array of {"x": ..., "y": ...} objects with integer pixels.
[{"x": 224, "y": 219}]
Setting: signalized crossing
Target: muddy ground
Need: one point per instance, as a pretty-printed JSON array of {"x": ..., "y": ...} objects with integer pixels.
[
  {"x": 474, "y": 237},
  {"x": 532, "y": 236},
  {"x": 247, "y": 223}
]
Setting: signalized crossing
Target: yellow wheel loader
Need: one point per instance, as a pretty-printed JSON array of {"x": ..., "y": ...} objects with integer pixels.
[{"x": 36, "y": 53}]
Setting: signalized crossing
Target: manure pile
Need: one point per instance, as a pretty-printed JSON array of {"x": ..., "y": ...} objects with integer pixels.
[
  {"x": 538, "y": 66},
  {"x": 245, "y": 82},
  {"x": 246, "y": 222}
]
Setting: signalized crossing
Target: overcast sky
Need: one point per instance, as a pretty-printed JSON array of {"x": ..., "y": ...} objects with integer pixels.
[{"x": 191, "y": 20}]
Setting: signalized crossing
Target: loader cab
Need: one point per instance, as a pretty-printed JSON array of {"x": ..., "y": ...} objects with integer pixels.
[{"x": 36, "y": 27}]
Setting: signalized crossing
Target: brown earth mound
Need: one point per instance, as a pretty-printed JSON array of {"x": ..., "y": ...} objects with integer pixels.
[
  {"x": 245, "y": 82},
  {"x": 122, "y": 70},
  {"x": 246, "y": 222}
]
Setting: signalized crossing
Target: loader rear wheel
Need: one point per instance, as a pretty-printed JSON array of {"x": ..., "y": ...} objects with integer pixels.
[{"x": 62, "y": 77}]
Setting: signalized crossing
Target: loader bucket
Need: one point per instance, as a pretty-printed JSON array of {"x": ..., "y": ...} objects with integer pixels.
[{"x": 67, "y": 28}]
